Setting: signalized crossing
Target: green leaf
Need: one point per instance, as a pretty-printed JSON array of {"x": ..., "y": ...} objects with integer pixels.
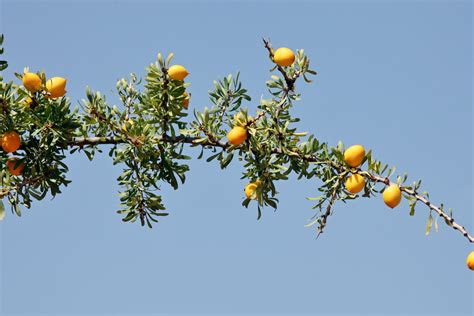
[
  {"x": 212, "y": 157},
  {"x": 2, "y": 210},
  {"x": 168, "y": 59},
  {"x": 429, "y": 224},
  {"x": 259, "y": 214},
  {"x": 412, "y": 209},
  {"x": 160, "y": 60},
  {"x": 17, "y": 209}
]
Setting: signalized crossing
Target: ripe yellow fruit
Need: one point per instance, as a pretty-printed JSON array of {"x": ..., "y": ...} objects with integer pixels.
[
  {"x": 186, "y": 100},
  {"x": 250, "y": 189},
  {"x": 355, "y": 183},
  {"x": 31, "y": 81},
  {"x": 237, "y": 135},
  {"x": 392, "y": 195},
  {"x": 11, "y": 141},
  {"x": 470, "y": 260},
  {"x": 284, "y": 57},
  {"x": 56, "y": 87},
  {"x": 177, "y": 72},
  {"x": 11, "y": 163},
  {"x": 354, "y": 155}
]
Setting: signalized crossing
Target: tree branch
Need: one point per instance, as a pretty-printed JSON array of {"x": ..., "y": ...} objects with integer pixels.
[{"x": 94, "y": 141}]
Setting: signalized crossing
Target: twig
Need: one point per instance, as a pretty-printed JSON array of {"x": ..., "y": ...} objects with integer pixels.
[
  {"x": 290, "y": 82},
  {"x": 325, "y": 216}
]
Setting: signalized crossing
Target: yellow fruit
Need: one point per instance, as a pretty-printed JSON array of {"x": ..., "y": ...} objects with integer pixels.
[
  {"x": 470, "y": 260},
  {"x": 186, "y": 100},
  {"x": 237, "y": 135},
  {"x": 177, "y": 72},
  {"x": 11, "y": 163},
  {"x": 355, "y": 183},
  {"x": 250, "y": 189},
  {"x": 11, "y": 141},
  {"x": 354, "y": 155},
  {"x": 284, "y": 57},
  {"x": 392, "y": 195},
  {"x": 56, "y": 87},
  {"x": 31, "y": 81}
]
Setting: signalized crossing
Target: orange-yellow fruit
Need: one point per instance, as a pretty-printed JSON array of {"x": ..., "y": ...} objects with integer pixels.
[
  {"x": 284, "y": 57},
  {"x": 177, "y": 72},
  {"x": 470, "y": 260},
  {"x": 186, "y": 100},
  {"x": 11, "y": 141},
  {"x": 56, "y": 87},
  {"x": 392, "y": 195},
  {"x": 354, "y": 155},
  {"x": 11, "y": 163},
  {"x": 355, "y": 183},
  {"x": 237, "y": 135},
  {"x": 31, "y": 81},
  {"x": 250, "y": 189}
]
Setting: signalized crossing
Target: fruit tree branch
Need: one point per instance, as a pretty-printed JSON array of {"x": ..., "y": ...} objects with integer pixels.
[{"x": 93, "y": 141}]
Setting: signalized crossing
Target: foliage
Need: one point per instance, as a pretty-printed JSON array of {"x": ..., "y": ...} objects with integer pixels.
[{"x": 146, "y": 135}]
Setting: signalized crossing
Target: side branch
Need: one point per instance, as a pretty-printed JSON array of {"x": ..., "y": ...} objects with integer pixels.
[
  {"x": 328, "y": 212},
  {"x": 433, "y": 207},
  {"x": 290, "y": 82}
]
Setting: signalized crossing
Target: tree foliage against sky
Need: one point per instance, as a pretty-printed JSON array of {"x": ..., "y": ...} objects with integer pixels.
[{"x": 148, "y": 133}]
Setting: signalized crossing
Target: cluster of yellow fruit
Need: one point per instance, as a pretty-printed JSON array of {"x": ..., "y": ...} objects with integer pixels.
[
  {"x": 283, "y": 57},
  {"x": 178, "y": 72},
  {"x": 55, "y": 87},
  {"x": 11, "y": 142},
  {"x": 354, "y": 156}
]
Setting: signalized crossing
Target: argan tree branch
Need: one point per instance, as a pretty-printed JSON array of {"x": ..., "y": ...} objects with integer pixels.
[
  {"x": 147, "y": 134},
  {"x": 95, "y": 141}
]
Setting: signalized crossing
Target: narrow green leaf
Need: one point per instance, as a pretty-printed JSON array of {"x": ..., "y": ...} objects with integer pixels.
[
  {"x": 2, "y": 210},
  {"x": 429, "y": 224}
]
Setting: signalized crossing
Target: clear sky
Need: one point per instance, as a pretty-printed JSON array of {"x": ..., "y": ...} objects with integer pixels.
[{"x": 394, "y": 76}]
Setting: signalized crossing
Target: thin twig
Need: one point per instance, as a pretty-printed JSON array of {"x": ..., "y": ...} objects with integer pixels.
[
  {"x": 325, "y": 216},
  {"x": 290, "y": 82}
]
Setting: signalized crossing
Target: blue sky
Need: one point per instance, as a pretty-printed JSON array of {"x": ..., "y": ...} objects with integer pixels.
[{"x": 394, "y": 76}]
